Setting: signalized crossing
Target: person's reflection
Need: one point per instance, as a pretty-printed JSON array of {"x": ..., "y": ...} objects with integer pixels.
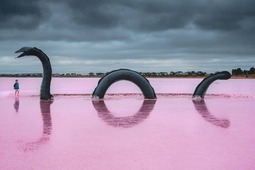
[
  {"x": 205, "y": 113},
  {"x": 16, "y": 104},
  {"x": 47, "y": 126},
  {"x": 125, "y": 122}
]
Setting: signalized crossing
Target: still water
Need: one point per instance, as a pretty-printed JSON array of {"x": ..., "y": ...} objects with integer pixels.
[{"x": 124, "y": 131}]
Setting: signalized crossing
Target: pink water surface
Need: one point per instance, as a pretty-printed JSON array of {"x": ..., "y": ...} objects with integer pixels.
[{"x": 125, "y": 131}]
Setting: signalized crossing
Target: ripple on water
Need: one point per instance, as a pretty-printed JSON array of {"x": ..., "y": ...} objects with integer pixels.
[{"x": 159, "y": 95}]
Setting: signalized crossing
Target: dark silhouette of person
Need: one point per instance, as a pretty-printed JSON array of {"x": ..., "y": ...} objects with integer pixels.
[{"x": 16, "y": 104}]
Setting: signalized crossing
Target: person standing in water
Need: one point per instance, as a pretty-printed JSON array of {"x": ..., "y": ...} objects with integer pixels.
[{"x": 16, "y": 87}]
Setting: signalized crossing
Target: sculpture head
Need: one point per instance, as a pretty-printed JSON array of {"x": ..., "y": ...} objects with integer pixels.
[
  {"x": 26, "y": 51},
  {"x": 225, "y": 75}
]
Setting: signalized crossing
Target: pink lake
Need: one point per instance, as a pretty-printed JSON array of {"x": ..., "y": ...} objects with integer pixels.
[{"x": 124, "y": 131}]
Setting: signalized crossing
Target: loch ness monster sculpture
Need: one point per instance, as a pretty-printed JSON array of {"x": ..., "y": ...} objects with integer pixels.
[
  {"x": 47, "y": 71},
  {"x": 206, "y": 82},
  {"x": 124, "y": 74}
]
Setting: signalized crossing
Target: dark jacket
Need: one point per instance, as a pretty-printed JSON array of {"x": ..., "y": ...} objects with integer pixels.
[{"x": 16, "y": 86}]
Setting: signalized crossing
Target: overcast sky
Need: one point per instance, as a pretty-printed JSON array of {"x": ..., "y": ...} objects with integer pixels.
[{"x": 144, "y": 35}]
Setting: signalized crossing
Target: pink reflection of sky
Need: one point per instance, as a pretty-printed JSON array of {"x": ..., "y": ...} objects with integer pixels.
[{"x": 175, "y": 134}]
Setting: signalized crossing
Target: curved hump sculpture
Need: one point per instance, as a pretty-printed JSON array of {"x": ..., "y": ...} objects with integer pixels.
[
  {"x": 203, "y": 86},
  {"x": 47, "y": 71},
  {"x": 125, "y": 122},
  {"x": 124, "y": 74}
]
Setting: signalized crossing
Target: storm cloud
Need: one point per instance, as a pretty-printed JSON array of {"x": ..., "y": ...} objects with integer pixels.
[{"x": 145, "y": 35}]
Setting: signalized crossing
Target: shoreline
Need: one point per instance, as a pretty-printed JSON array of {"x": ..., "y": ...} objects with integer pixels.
[{"x": 232, "y": 77}]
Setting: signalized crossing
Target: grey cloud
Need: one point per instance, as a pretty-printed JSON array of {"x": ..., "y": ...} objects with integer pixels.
[
  {"x": 21, "y": 15},
  {"x": 147, "y": 15},
  {"x": 79, "y": 19},
  {"x": 225, "y": 15},
  {"x": 133, "y": 15},
  {"x": 198, "y": 30}
]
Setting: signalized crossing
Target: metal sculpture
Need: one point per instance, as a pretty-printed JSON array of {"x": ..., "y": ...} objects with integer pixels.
[
  {"x": 203, "y": 86},
  {"x": 124, "y": 74},
  {"x": 47, "y": 71}
]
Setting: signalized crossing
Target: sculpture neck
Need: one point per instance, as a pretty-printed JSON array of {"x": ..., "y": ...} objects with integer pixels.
[
  {"x": 47, "y": 74},
  {"x": 203, "y": 86},
  {"x": 47, "y": 71}
]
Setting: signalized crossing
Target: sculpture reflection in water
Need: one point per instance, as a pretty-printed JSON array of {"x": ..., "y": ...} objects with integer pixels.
[
  {"x": 47, "y": 127},
  {"x": 16, "y": 104},
  {"x": 202, "y": 109},
  {"x": 128, "y": 121}
]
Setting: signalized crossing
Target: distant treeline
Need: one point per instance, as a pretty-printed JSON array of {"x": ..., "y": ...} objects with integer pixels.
[
  {"x": 91, "y": 74},
  {"x": 240, "y": 72},
  {"x": 235, "y": 72}
]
